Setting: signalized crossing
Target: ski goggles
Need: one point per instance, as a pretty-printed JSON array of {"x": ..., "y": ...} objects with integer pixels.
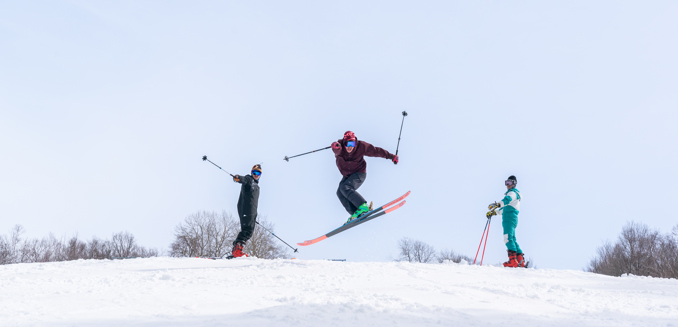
[
  {"x": 350, "y": 144},
  {"x": 256, "y": 173},
  {"x": 509, "y": 182}
]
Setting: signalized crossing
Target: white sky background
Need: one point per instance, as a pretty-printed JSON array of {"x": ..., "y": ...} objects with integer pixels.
[{"x": 107, "y": 107}]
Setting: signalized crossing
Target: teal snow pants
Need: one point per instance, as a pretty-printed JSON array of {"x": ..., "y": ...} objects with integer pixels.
[{"x": 509, "y": 220}]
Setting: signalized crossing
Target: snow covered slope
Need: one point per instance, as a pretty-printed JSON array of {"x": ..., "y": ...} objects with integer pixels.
[{"x": 253, "y": 292}]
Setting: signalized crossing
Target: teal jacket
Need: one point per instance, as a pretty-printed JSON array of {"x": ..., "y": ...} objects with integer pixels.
[{"x": 509, "y": 206}]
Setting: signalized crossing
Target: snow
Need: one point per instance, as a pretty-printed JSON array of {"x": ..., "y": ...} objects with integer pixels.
[{"x": 253, "y": 292}]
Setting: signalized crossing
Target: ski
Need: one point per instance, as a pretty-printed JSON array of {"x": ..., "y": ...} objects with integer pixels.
[
  {"x": 228, "y": 257},
  {"x": 352, "y": 224},
  {"x": 378, "y": 212},
  {"x": 364, "y": 219}
]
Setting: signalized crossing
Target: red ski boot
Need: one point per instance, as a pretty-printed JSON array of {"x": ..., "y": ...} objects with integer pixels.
[
  {"x": 512, "y": 263},
  {"x": 521, "y": 260},
  {"x": 237, "y": 251}
]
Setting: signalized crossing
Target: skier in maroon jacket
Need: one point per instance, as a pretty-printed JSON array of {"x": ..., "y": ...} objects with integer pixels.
[{"x": 349, "y": 153}]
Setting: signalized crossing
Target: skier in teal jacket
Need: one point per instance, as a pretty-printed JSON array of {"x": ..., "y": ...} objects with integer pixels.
[{"x": 509, "y": 207}]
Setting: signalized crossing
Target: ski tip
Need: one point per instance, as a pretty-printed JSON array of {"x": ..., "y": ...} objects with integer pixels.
[
  {"x": 396, "y": 200},
  {"x": 395, "y": 207}
]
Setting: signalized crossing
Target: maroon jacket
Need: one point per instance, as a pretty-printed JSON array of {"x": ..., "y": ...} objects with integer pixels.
[{"x": 349, "y": 163}]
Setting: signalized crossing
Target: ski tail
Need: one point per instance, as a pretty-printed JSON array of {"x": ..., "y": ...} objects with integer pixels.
[{"x": 313, "y": 241}]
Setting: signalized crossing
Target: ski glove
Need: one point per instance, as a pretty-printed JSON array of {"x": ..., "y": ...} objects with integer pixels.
[
  {"x": 490, "y": 213},
  {"x": 336, "y": 146},
  {"x": 395, "y": 160},
  {"x": 236, "y": 178},
  {"x": 493, "y": 205}
]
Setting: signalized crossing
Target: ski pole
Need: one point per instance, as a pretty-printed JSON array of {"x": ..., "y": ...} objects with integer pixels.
[
  {"x": 262, "y": 226},
  {"x": 204, "y": 158},
  {"x": 481, "y": 242},
  {"x": 288, "y": 158},
  {"x": 401, "y": 131},
  {"x": 486, "y": 237}
]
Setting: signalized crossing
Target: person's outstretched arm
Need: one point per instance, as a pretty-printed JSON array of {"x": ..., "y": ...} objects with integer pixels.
[
  {"x": 375, "y": 151},
  {"x": 242, "y": 179}
]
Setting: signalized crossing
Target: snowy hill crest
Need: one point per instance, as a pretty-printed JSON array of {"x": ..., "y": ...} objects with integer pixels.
[{"x": 254, "y": 292}]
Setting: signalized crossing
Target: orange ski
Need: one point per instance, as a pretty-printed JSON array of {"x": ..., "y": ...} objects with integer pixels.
[{"x": 364, "y": 218}]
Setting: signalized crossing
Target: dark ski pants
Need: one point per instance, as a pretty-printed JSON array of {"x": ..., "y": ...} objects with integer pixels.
[
  {"x": 347, "y": 193},
  {"x": 247, "y": 223}
]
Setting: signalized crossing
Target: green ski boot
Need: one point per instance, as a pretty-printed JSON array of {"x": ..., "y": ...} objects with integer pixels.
[{"x": 361, "y": 210}]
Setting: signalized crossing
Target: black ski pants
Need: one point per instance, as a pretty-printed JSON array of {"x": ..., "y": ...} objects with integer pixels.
[
  {"x": 247, "y": 224},
  {"x": 347, "y": 193}
]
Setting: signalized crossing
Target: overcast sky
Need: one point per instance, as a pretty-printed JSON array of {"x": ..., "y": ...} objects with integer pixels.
[{"x": 107, "y": 107}]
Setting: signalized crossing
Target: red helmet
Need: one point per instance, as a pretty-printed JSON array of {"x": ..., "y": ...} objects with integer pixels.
[{"x": 348, "y": 136}]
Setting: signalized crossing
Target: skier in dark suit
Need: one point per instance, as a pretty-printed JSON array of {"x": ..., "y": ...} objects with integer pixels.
[{"x": 247, "y": 209}]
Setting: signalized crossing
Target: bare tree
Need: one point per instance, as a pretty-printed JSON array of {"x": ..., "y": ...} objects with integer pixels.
[
  {"x": 449, "y": 255},
  {"x": 36, "y": 250},
  {"x": 15, "y": 249},
  {"x": 423, "y": 252},
  {"x": 6, "y": 253},
  {"x": 56, "y": 248},
  {"x": 204, "y": 234},
  {"x": 639, "y": 246},
  {"x": 406, "y": 250},
  {"x": 208, "y": 234},
  {"x": 47, "y": 249},
  {"x": 75, "y": 249},
  {"x": 667, "y": 265},
  {"x": 143, "y": 252},
  {"x": 263, "y": 245},
  {"x": 415, "y": 251},
  {"x": 12, "y": 245},
  {"x": 640, "y": 251},
  {"x": 98, "y": 249},
  {"x": 123, "y": 244}
]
